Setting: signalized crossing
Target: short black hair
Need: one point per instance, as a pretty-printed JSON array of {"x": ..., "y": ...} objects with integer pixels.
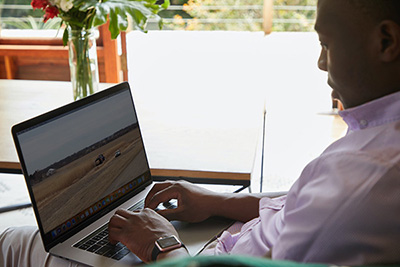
[{"x": 379, "y": 10}]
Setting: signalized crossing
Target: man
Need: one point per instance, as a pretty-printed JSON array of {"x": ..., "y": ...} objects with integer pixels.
[{"x": 344, "y": 208}]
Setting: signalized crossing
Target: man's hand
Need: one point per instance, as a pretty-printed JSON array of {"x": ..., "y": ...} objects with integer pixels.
[
  {"x": 139, "y": 230},
  {"x": 195, "y": 204}
]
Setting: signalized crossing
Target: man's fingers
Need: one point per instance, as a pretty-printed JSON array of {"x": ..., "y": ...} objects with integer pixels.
[
  {"x": 171, "y": 214},
  {"x": 156, "y": 188},
  {"x": 162, "y": 196},
  {"x": 118, "y": 220},
  {"x": 114, "y": 233},
  {"x": 123, "y": 213},
  {"x": 116, "y": 225}
]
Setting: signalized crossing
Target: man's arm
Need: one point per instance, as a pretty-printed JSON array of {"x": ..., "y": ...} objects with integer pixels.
[
  {"x": 196, "y": 204},
  {"x": 140, "y": 229}
]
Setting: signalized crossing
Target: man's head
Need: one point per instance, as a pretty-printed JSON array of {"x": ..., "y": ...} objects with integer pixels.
[
  {"x": 379, "y": 10},
  {"x": 360, "y": 42}
]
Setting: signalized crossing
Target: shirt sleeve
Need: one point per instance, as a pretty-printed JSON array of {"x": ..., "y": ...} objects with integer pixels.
[{"x": 257, "y": 235}]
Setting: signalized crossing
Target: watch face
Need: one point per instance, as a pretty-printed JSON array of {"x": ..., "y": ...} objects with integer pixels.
[{"x": 168, "y": 242}]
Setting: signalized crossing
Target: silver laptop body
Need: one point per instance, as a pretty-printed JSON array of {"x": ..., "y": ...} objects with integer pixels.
[{"x": 83, "y": 161}]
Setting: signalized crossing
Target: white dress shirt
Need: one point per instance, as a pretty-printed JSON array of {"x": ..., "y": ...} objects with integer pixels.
[{"x": 345, "y": 206}]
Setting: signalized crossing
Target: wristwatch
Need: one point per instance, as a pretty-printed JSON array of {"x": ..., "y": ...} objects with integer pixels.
[{"x": 164, "y": 244}]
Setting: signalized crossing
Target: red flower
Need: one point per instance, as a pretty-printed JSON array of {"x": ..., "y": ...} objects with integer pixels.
[
  {"x": 39, "y": 4},
  {"x": 51, "y": 12}
]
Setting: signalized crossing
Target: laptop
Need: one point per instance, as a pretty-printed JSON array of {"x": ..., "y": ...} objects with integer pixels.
[{"x": 83, "y": 161}]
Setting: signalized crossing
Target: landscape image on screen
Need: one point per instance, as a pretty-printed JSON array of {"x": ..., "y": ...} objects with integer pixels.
[{"x": 82, "y": 157}]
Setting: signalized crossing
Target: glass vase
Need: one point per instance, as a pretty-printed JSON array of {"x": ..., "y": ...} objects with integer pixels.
[{"x": 83, "y": 62}]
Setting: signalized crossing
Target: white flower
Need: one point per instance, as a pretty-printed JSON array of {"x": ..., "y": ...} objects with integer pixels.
[{"x": 66, "y": 5}]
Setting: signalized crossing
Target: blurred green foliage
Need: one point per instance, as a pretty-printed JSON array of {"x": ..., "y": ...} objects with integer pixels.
[
  {"x": 231, "y": 15},
  {"x": 22, "y": 18},
  {"x": 245, "y": 15}
]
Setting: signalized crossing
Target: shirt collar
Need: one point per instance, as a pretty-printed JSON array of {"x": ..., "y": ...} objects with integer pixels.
[{"x": 377, "y": 112}]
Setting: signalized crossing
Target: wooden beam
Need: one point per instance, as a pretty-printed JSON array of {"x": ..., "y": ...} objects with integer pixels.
[
  {"x": 43, "y": 51},
  {"x": 124, "y": 57},
  {"x": 202, "y": 174},
  {"x": 34, "y": 50},
  {"x": 112, "y": 62},
  {"x": 12, "y": 166},
  {"x": 30, "y": 41},
  {"x": 267, "y": 16},
  {"x": 10, "y": 67}
]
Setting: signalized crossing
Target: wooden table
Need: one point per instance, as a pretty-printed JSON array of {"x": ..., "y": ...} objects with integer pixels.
[{"x": 215, "y": 142}]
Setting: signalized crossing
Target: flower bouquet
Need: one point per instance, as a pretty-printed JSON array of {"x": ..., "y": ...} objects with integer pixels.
[{"x": 81, "y": 17}]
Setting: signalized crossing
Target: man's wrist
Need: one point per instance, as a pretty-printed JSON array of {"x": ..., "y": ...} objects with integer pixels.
[
  {"x": 215, "y": 202},
  {"x": 228, "y": 205},
  {"x": 164, "y": 245},
  {"x": 178, "y": 252}
]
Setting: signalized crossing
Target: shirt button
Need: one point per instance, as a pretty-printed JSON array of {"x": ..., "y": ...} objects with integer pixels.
[{"x": 363, "y": 123}]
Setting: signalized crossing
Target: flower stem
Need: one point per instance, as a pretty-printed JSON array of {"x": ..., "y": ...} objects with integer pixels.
[{"x": 84, "y": 75}]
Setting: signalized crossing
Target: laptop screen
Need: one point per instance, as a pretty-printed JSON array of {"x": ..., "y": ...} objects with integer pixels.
[{"x": 82, "y": 160}]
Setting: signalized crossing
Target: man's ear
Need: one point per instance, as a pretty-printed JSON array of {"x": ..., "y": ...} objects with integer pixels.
[{"x": 389, "y": 34}]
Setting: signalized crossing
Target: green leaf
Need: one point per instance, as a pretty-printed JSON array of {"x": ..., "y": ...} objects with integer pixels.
[
  {"x": 114, "y": 30},
  {"x": 65, "y": 36},
  {"x": 117, "y": 11},
  {"x": 101, "y": 15},
  {"x": 92, "y": 13},
  {"x": 84, "y": 5},
  {"x": 166, "y": 4}
]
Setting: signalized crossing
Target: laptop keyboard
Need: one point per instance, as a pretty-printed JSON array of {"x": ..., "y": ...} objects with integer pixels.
[{"x": 97, "y": 242}]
